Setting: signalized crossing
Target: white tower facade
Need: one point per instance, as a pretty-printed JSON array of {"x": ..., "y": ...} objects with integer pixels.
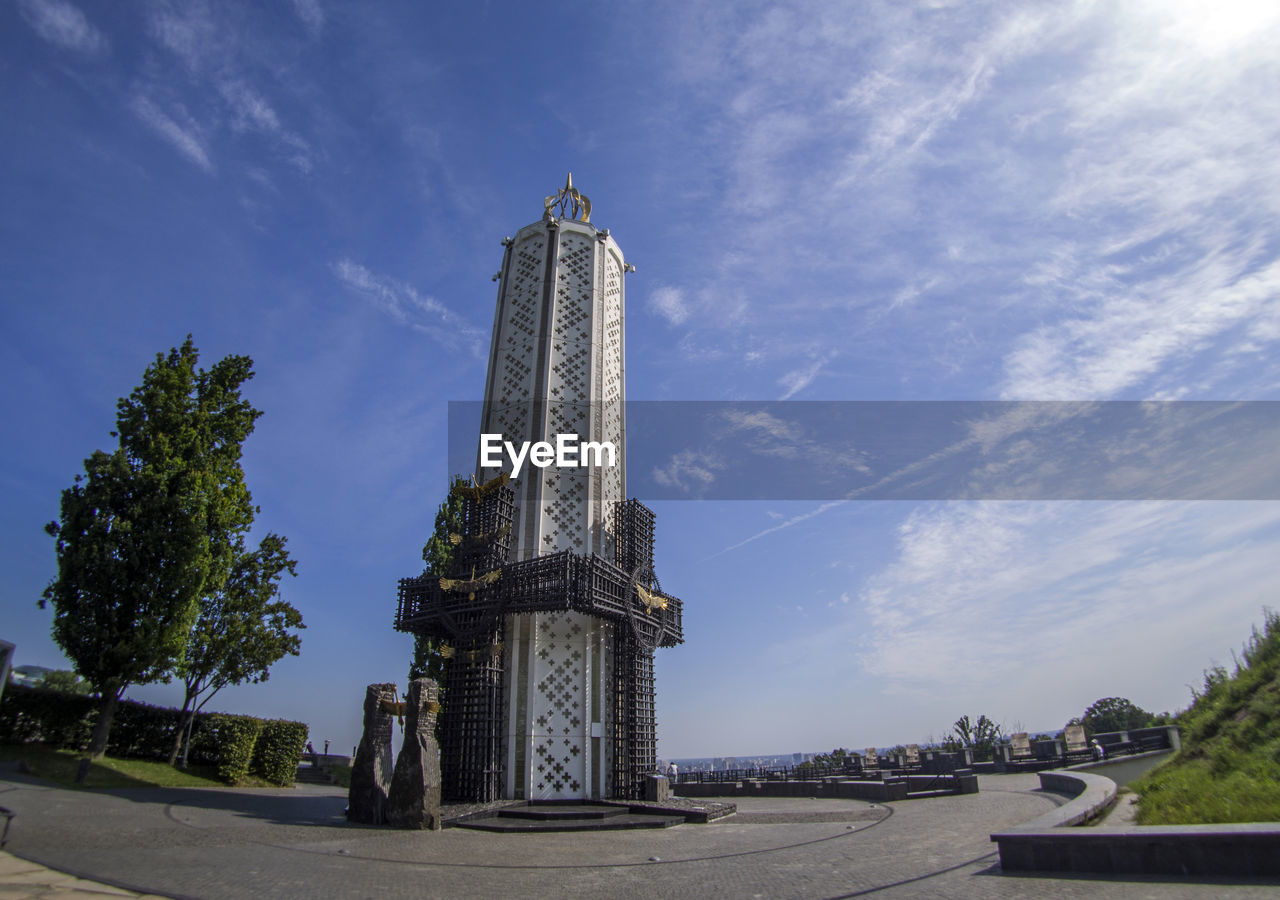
[{"x": 557, "y": 367}]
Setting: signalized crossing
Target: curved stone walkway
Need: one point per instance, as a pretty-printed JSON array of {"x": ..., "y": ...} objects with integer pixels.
[{"x": 289, "y": 843}]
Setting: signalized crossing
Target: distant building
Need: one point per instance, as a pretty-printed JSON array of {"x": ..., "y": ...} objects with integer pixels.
[{"x": 31, "y": 676}]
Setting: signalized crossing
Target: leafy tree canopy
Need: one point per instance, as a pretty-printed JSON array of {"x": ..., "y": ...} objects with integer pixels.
[
  {"x": 1115, "y": 714},
  {"x": 241, "y": 629},
  {"x": 980, "y": 736},
  {"x": 437, "y": 554},
  {"x": 65, "y": 681},
  {"x": 152, "y": 526}
]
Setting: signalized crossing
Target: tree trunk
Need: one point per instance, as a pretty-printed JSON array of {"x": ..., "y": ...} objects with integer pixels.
[
  {"x": 101, "y": 728},
  {"x": 188, "y": 715}
]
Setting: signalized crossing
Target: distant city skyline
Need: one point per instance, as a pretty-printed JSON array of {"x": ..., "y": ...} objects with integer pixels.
[{"x": 824, "y": 201}]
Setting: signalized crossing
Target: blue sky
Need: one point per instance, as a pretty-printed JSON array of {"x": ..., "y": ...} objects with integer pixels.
[{"x": 873, "y": 201}]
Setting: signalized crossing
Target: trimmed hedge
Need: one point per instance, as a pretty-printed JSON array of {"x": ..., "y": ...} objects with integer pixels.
[
  {"x": 233, "y": 739},
  {"x": 280, "y": 745},
  {"x": 29, "y": 715},
  {"x": 236, "y": 745},
  {"x": 143, "y": 731}
]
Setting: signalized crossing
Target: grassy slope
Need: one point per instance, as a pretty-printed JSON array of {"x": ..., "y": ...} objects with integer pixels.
[
  {"x": 61, "y": 765},
  {"x": 1229, "y": 767}
]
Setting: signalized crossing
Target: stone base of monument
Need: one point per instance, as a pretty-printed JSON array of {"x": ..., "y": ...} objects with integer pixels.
[
  {"x": 657, "y": 789},
  {"x": 413, "y": 800},
  {"x": 536, "y": 816},
  {"x": 372, "y": 768}
]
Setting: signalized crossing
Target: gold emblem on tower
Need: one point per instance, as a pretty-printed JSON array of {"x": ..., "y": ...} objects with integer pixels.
[{"x": 568, "y": 202}]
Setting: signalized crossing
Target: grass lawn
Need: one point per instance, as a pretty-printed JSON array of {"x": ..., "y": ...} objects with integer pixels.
[
  {"x": 1242, "y": 788},
  {"x": 341, "y": 774},
  {"x": 60, "y": 766},
  {"x": 1229, "y": 767}
]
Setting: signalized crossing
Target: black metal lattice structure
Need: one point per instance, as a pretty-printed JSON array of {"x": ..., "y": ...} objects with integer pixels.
[
  {"x": 467, "y": 609},
  {"x": 633, "y": 530}
]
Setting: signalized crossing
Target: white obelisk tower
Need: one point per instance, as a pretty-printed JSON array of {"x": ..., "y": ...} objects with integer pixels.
[{"x": 556, "y": 367}]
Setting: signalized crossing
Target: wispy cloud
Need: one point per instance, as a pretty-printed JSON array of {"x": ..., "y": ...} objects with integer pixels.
[
  {"x": 668, "y": 302},
  {"x": 403, "y": 303},
  {"x": 690, "y": 471},
  {"x": 976, "y": 590},
  {"x": 251, "y": 112},
  {"x": 63, "y": 24},
  {"x": 1170, "y": 162},
  {"x": 222, "y": 68},
  {"x": 187, "y": 30},
  {"x": 1096, "y": 229},
  {"x": 773, "y": 529},
  {"x": 184, "y": 136},
  {"x": 797, "y": 380},
  {"x": 311, "y": 14}
]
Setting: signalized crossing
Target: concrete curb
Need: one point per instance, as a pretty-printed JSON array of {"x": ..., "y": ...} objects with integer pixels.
[
  {"x": 900, "y": 787},
  {"x": 1050, "y": 844}
]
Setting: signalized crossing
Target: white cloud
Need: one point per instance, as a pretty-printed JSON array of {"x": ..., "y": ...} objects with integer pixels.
[
  {"x": 1076, "y": 188},
  {"x": 788, "y": 523},
  {"x": 249, "y": 109},
  {"x": 187, "y": 30},
  {"x": 251, "y": 112},
  {"x": 403, "y": 303},
  {"x": 311, "y": 14},
  {"x": 1133, "y": 333},
  {"x": 184, "y": 136},
  {"x": 797, "y": 380},
  {"x": 62, "y": 23},
  {"x": 1170, "y": 168},
  {"x": 690, "y": 471},
  {"x": 989, "y": 596},
  {"x": 669, "y": 303}
]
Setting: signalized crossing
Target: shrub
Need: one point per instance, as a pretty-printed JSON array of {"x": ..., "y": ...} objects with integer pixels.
[
  {"x": 236, "y": 745},
  {"x": 29, "y": 715},
  {"x": 279, "y": 747},
  {"x": 233, "y": 739},
  {"x": 142, "y": 731}
]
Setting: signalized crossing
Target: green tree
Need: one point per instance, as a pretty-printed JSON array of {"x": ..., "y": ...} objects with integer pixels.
[
  {"x": 65, "y": 681},
  {"x": 152, "y": 526},
  {"x": 1115, "y": 714},
  {"x": 437, "y": 554},
  {"x": 981, "y": 737},
  {"x": 241, "y": 631},
  {"x": 836, "y": 759}
]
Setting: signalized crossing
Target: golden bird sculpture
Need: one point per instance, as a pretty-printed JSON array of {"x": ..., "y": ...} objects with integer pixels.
[
  {"x": 470, "y": 585},
  {"x": 651, "y": 599},
  {"x": 476, "y": 491},
  {"x": 456, "y": 539}
]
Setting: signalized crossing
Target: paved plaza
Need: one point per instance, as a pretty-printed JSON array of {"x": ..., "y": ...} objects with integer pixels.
[{"x": 294, "y": 843}]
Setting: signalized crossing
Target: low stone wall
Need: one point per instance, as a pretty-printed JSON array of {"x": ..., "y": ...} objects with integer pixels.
[
  {"x": 1124, "y": 769},
  {"x": 1050, "y": 844},
  {"x": 885, "y": 791}
]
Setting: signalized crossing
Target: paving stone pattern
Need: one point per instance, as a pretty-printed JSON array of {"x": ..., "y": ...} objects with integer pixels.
[{"x": 289, "y": 843}]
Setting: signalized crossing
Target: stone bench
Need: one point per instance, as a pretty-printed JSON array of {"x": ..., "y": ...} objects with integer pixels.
[{"x": 1050, "y": 843}]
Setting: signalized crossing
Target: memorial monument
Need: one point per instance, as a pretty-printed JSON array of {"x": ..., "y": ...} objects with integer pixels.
[{"x": 552, "y": 610}]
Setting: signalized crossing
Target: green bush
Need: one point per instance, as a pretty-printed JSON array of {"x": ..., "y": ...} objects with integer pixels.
[
  {"x": 236, "y": 745},
  {"x": 234, "y": 739},
  {"x": 140, "y": 731},
  {"x": 279, "y": 747},
  {"x": 31, "y": 715}
]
